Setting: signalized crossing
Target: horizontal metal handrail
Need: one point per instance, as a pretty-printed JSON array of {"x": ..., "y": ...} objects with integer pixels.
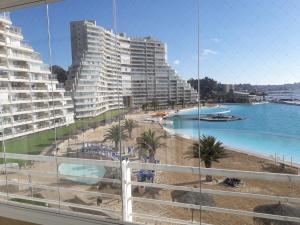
[
  {"x": 62, "y": 189},
  {"x": 218, "y": 209},
  {"x": 107, "y": 163},
  {"x": 166, "y": 219},
  {"x": 59, "y": 203},
  {"x": 55, "y": 175},
  {"x": 282, "y": 199},
  {"x": 217, "y": 172},
  {"x": 264, "y": 176}
]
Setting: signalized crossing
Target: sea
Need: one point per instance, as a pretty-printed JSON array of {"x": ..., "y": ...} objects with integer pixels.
[{"x": 267, "y": 129}]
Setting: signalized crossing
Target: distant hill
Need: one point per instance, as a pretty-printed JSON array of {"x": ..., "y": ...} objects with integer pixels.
[
  {"x": 266, "y": 88},
  {"x": 60, "y": 72},
  {"x": 209, "y": 86}
]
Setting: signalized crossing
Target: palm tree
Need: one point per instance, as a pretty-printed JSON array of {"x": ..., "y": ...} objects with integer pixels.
[
  {"x": 145, "y": 106},
  {"x": 155, "y": 104},
  {"x": 211, "y": 151},
  {"x": 115, "y": 134},
  {"x": 150, "y": 142},
  {"x": 182, "y": 103},
  {"x": 129, "y": 125},
  {"x": 171, "y": 103}
]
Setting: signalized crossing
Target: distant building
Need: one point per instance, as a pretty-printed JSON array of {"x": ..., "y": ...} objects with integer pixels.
[
  {"x": 111, "y": 70},
  {"x": 247, "y": 97},
  {"x": 31, "y": 99},
  {"x": 152, "y": 77}
]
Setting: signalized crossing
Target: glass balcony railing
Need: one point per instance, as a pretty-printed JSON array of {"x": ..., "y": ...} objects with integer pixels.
[
  {"x": 5, "y": 15},
  {"x": 135, "y": 202},
  {"x": 101, "y": 126}
]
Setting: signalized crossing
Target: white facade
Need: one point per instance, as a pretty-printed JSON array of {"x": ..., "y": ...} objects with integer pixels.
[
  {"x": 32, "y": 100},
  {"x": 153, "y": 78},
  {"x": 109, "y": 70},
  {"x": 96, "y": 73}
]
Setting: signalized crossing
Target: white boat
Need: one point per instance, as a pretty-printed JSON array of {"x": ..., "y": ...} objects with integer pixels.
[{"x": 259, "y": 103}]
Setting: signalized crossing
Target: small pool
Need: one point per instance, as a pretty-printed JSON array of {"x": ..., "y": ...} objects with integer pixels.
[{"x": 87, "y": 174}]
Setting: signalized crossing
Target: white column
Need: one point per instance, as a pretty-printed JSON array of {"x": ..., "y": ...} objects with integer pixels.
[{"x": 126, "y": 191}]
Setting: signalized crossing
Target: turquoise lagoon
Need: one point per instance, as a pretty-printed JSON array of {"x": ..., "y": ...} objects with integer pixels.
[{"x": 266, "y": 129}]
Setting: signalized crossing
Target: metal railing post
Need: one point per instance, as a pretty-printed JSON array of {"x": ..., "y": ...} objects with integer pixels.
[{"x": 126, "y": 189}]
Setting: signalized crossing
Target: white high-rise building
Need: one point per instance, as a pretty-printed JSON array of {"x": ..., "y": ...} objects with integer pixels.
[
  {"x": 109, "y": 70},
  {"x": 99, "y": 61},
  {"x": 31, "y": 99},
  {"x": 152, "y": 77}
]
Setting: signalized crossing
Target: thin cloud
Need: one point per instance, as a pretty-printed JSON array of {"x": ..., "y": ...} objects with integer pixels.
[
  {"x": 216, "y": 40},
  {"x": 207, "y": 52},
  {"x": 176, "y": 62}
]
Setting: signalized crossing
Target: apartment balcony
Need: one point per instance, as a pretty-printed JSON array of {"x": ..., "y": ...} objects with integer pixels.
[
  {"x": 3, "y": 65},
  {"x": 19, "y": 78},
  {"x": 21, "y": 131},
  {"x": 56, "y": 106},
  {"x": 26, "y": 45},
  {"x": 40, "y": 108},
  {"x": 28, "y": 57},
  {"x": 15, "y": 30},
  {"x": 20, "y": 110},
  {"x": 20, "y": 99},
  {"x": 41, "y": 97},
  {"x": 40, "y": 79},
  {"x": 18, "y": 122},
  {"x": 3, "y": 52},
  {"x": 56, "y": 115},
  {"x": 4, "y": 88},
  {"x": 41, "y": 118},
  {"x": 5, "y": 16},
  {"x": 39, "y": 89},
  {"x": 21, "y": 89},
  {"x": 19, "y": 67},
  {"x": 5, "y": 123}
]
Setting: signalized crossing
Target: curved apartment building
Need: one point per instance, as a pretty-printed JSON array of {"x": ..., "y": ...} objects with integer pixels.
[
  {"x": 109, "y": 70},
  {"x": 31, "y": 99},
  {"x": 95, "y": 76}
]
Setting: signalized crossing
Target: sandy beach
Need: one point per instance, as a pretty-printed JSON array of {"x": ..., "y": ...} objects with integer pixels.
[{"x": 174, "y": 153}]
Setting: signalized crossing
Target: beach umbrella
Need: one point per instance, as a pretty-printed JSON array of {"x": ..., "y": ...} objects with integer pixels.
[
  {"x": 277, "y": 209},
  {"x": 194, "y": 198}
]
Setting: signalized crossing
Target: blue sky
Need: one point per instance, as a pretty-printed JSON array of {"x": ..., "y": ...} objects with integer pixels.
[{"x": 241, "y": 41}]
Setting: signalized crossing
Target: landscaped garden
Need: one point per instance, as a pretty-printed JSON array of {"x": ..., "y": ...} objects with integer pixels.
[{"x": 35, "y": 143}]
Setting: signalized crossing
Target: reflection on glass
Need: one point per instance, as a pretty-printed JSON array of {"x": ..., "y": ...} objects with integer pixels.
[{"x": 97, "y": 115}]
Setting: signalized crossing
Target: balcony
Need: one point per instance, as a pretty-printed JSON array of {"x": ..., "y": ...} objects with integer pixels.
[
  {"x": 40, "y": 98},
  {"x": 20, "y": 110},
  {"x": 3, "y": 64},
  {"x": 5, "y": 16},
  {"x": 20, "y": 67},
  {"x": 25, "y": 45},
  {"x": 22, "y": 121},
  {"x": 134, "y": 208},
  {"x": 20, "y": 89},
  {"x": 19, "y": 78},
  {"x": 41, "y": 117},
  {"x": 20, "y": 99},
  {"x": 15, "y": 30},
  {"x": 33, "y": 56}
]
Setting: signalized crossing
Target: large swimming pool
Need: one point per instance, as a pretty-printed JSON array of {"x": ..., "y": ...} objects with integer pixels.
[
  {"x": 265, "y": 129},
  {"x": 87, "y": 174}
]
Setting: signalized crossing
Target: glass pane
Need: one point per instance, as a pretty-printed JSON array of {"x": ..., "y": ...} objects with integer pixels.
[
  {"x": 163, "y": 49},
  {"x": 90, "y": 179}
]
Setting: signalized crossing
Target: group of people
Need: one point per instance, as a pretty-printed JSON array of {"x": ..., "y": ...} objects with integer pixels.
[{"x": 100, "y": 149}]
